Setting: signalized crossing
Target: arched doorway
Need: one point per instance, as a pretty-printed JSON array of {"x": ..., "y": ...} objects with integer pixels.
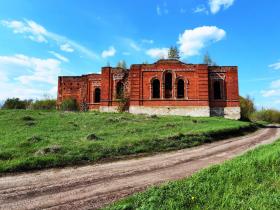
[
  {"x": 97, "y": 93},
  {"x": 180, "y": 88},
  {"x": 119, "y": 90},
  {"x": 168, "y": 85},
  {"x": 217, "y": 90},
  {"x": 155, "y": 88}
]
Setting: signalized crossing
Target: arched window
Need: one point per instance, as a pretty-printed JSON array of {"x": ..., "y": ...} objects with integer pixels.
[
  {"x": 217, "y": 90},
  {"x": 97, "y": 93},
  {"x": 168, "y": 85},
  {"x": 155, "y": 88},
  {"x": 119, "y": 90},
  {"x": 180, "y": 88}
]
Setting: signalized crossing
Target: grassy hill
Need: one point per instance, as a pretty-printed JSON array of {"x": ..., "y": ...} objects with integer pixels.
[
  {"x": 40, "y": 139},
  {"x": 251, "y": 181}
]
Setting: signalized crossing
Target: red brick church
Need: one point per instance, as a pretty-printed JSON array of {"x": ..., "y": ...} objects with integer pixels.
[{"x": 167, "y": 87}]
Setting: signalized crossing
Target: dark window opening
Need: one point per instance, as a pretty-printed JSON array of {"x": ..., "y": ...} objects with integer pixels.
[
  {"x": 168, "y": 85},
  {"x": 120, "y": 90},
  {"x": 97, "y": 93},
  {"x": 180, "y": 89},
  {"x": 155, "y": 88},
  {"x": 217, "y": 90}
]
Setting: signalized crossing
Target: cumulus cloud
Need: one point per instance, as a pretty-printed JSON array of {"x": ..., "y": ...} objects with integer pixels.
[
  {"x": 35, "y": 32},
  {"x": 59, "y": 56},
  {"x": 66, "y": 48},
  {"x": 109, "y": 53},
  {"x": 31, "y": 68},
  {"x": 157, "y": 52},
  {"x": 216, "y": 5},
  {"x": 192, "y": 41},
  {"x": 28, "y": 77},
  {"x": 275, "y": 66}
]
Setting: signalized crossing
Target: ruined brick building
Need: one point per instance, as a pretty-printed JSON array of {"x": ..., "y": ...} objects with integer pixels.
[{"x": 167, "y": 87}]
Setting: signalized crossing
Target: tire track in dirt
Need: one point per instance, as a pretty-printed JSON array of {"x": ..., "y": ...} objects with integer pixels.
[{"x": 94, "y": 186}]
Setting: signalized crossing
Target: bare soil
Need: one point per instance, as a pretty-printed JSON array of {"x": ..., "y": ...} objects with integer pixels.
[{"x": 94, "y": 186}]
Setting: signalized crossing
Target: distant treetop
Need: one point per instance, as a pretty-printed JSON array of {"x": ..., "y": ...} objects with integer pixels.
[{"x": 173, "y": 53}]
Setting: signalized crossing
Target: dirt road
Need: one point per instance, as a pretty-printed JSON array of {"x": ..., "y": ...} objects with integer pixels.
[{"x": 93, "y": 186}]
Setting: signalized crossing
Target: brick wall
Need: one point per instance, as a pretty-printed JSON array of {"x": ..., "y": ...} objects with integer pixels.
[{"x": 198, "y": 82}]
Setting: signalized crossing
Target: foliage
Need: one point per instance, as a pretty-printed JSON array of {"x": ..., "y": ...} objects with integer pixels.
[
  {"x": 69, "y": 104},
  {"x": 208, "y": 60},
  {"x": 84, "y": 106},
  {"x": 173, "y": 53},
  {"x": 62, "y": 138},
  {"x": 247, "y": 182},
  {"x": 268, "y": 115},
  {"x": 122, "y": 64},
  {"x": 45, "y": 104},
  {"x": 247, "y": 107},
  {"x": 16, "y": 103},
  {"x": 123, "y": 104}
]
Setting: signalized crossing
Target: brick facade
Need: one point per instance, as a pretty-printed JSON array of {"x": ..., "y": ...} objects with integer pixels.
[{"x": 166, "y": 87}]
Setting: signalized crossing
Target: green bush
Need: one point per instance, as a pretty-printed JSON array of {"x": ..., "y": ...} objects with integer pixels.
[
  {"x": 268, "y": 115},
  {"x": 16, "y": 103},
  {"x": 46, "y": 104},
  {"x": 69, "y": 104},
  {"x": 247, "y": 107}
]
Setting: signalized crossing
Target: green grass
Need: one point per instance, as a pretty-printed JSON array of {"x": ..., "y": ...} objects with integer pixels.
[
  {"x": 251, "y": 181},
  {"x": 41, "y": 139}
]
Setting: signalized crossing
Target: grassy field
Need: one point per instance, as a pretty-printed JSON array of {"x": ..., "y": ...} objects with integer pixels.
[
  {"x": 41, "y": 139},
  {"x": 251, "y": 181}
]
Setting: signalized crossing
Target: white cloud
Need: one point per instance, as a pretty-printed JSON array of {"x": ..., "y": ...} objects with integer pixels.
[
  {"x": 158, "y": 52},
  {"x": 38, "y": 33},
  {"x": 216, "y": 5},
  {"x": 37, "y": 69},
  {"x": 32, "y": 30},
  {"x": 162, "y": 10},
  {"x": 147, "y": 41},
  {"x": 275, "y": 84},
  {"x": 275, "y": 66},
  {"x": 60, "y": 57},
  {"x": 28, "y": 77},
  {"x": 274, "y": 89},
  {"x": 201, "y": 9},
  {"x": 270, "y": 93},
  {"x": 134, "y": 46},
  {"x": 66, "y": 48},
  {"x": 192, "y": 41},
  {"x": 109, "y": 53}
]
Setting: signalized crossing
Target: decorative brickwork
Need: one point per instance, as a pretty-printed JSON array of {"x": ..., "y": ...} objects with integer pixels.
[{"x": 168, "y": 86}]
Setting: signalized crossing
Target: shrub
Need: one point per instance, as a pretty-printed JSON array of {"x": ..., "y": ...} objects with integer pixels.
[
  {"x": 123, "y": 104},
  {"x": 46, "y": 104},
  {"x": 247, "y": 107},
  {"x": 16, "y": 103},
  {"x": 69, "y": 104},
  {"x": 268, "y": 115}
]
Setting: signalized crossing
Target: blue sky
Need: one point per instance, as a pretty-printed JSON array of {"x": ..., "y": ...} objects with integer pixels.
[{"x": 40, "y": 40}]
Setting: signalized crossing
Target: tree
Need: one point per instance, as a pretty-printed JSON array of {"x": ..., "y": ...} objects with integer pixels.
[
  {"x": 208, "y": 60},
  {"x": 247, "y": 107},
  {"x": 173, "y": 53},
  {"x": 16, "y": 103},
  {"x": 122, "y": 64}
]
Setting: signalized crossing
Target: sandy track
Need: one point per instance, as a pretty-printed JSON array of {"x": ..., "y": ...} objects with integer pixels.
[{"x": 93, "y": 186}]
